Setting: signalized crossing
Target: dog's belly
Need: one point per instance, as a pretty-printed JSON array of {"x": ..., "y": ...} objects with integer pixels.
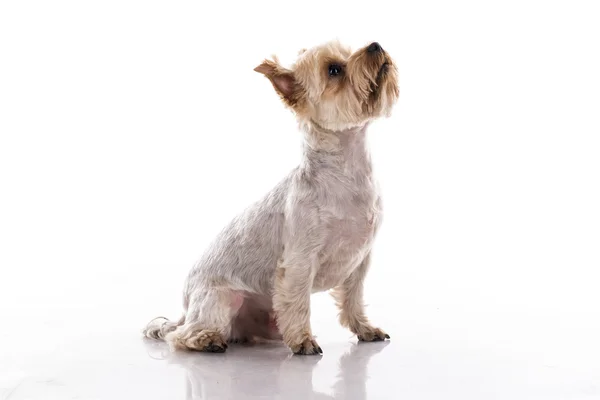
[{"x": 255, "y": 317}]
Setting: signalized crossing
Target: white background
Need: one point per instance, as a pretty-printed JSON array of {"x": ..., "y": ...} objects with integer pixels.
[{"x": 132, "y": 131}]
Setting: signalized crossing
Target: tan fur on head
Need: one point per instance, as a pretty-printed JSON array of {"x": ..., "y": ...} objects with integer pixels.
[{"x": 365, "y": 88}]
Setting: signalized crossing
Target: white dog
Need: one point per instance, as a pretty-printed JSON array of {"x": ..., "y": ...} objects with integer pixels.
[{"x": 314, "y": 231}]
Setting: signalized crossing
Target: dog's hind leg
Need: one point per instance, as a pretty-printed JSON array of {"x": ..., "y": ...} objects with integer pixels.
[{"x": 208, "y": 321}]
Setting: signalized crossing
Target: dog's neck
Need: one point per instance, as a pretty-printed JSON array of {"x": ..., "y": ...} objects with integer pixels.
[{"x": 345, "y": 150}]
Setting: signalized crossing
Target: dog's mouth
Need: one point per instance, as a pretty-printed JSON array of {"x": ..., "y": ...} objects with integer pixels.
[
  {"x": 380, "y": 75},
  {"x": 382, "y": 70}
]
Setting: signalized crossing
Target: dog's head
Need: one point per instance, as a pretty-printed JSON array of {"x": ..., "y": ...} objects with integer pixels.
[{"x": 334, "y": 88}]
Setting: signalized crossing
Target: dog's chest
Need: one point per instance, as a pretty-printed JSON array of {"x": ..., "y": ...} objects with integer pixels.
[{"x": 351, "y": 222}]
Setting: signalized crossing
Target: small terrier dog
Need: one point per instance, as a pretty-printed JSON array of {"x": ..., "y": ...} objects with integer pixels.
[{"x": 313, "y": 232}]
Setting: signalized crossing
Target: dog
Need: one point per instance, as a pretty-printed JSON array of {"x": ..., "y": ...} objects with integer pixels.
[{"x": 314, "y": 231}]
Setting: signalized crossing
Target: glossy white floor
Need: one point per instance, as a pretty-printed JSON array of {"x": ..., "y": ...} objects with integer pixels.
[{"x": 439, "y": 349}]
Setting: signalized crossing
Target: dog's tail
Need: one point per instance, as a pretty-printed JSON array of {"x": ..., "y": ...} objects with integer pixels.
[{"x": 159, "y": 327}]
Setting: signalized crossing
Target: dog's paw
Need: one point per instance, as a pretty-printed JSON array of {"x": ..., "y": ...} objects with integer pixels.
[
  {"x": 307, "y": 347},
  {"x": 208, "y": 342},
  {"x": 372, "y": 335}
]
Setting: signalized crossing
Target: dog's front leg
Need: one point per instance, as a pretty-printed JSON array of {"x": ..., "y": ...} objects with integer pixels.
[
  {"x": 291, "y": 302},
  {"x": 349, "y": 299}
]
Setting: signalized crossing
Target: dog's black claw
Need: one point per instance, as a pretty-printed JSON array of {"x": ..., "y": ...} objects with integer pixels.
[
  {"x": 305, "y": 350},
  {"x": 376, "y": 336},
  {"x": 213, "y": 348}
]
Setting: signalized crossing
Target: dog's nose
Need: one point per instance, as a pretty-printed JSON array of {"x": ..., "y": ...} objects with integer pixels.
[{"x": 374, "y": 48}]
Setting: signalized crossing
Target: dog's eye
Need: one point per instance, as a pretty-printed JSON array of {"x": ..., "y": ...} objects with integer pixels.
[{"x": 335, "y": 69}]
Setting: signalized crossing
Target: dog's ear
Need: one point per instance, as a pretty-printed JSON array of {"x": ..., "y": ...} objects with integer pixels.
[{"x": 283, "y": 81}]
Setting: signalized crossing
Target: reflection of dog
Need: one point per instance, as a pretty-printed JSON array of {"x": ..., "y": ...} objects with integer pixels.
[
  {"x": 268, "y": 373},
  {"x": 313, "y": 231}
]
